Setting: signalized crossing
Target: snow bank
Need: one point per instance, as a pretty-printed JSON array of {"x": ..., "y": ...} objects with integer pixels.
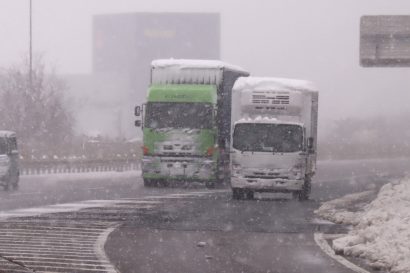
[
  {"x": 340, "y": 210},
  {"x": 381, "y": 232}
]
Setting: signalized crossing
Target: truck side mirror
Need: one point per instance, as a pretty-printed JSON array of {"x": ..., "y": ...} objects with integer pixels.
[
  {"x": 137, "y": 111},
  {"x": 310, "y": 147},
  {"x": 138, "y": 123}
]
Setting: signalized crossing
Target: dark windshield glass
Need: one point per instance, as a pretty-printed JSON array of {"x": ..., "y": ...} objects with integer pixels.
[
  {"x": 178, "y": 115},
  {"x": 262, "y": 137}
]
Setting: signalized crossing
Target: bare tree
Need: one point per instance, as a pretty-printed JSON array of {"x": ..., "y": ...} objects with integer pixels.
[{"x": 38, "y": 113}]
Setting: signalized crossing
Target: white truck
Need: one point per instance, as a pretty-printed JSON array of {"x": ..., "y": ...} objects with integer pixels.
[
  {"x": 274, "y": 136},
  {"x": 9, "y": 160}
]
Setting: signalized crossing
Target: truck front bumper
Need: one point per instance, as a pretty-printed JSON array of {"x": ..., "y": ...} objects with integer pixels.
[
  {"x": 178, "y": 168},
  {"x": 267, "y": 185}
]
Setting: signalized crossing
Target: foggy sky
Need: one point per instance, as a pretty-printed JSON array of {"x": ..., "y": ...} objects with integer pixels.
[{"x": 316, "y": 40}]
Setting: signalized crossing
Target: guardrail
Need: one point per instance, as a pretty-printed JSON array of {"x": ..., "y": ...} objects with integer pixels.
[{"x": 77, "y": 166}]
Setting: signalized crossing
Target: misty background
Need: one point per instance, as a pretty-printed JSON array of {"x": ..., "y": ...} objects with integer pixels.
[{"x": 317, "y": 40}]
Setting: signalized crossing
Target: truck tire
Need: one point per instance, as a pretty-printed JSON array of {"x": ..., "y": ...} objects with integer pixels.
[
  {"x": 163, "y": 183},
  {"x": 11, "y": 181},
  {"x": 249, "y": 194},
  {"x": 14, "y": 181},
  {"x": 210, "y": 184},
  {"x": 237, "y": 194},
  {"x": 303, "y": 194},
  {"x": 149, "y": 183}
]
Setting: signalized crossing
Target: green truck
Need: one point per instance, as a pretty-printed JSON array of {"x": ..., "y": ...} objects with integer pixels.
[{"x": 186, "y": 122}]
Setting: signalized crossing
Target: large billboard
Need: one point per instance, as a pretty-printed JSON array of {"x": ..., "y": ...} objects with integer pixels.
[
  {"x": 124, "y": 46},
  {"x": 126, "y": 43}
]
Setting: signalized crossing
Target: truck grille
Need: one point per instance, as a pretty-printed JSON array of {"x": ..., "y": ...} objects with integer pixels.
[{"x": 266, "y": 175}]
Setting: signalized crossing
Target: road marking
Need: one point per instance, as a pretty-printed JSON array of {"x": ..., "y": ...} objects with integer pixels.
[
  {"x": 67, "y": 207},
  {"x": 78, "y": 259},
  {"x": 326, "y": 248},
  {"x": 45, "y": 253},
  {"x": 181, "y": 195},
  {"x": 43, "y": 240},
  {"x": 100, "y": 251}
]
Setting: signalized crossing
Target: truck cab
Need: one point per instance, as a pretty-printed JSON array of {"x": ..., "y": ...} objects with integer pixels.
[
  {"x": 9, "y": 164},
  {"x": 274, "y": 137},
  {"x": 179, "y": 134},
  {"x": 186, "y": 122}
]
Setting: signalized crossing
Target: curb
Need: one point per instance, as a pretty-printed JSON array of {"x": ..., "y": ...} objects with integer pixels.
[{"x": 320, "y": 240}]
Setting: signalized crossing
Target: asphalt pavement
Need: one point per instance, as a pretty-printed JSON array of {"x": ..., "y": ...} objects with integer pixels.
[
  {"x": 272, "y": 233},
  {"x": 173, "y": 229}
]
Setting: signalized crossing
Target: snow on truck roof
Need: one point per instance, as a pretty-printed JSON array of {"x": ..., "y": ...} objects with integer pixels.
[
  {"x": 192, "y": 63},
  {"x": 7, "y": 134},
  {"x": 267, "y": 83}
]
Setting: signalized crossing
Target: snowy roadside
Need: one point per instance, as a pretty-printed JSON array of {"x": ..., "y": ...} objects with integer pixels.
[
  {"x": 82, "y": 176},
  {"x": 380, "y": 228}
]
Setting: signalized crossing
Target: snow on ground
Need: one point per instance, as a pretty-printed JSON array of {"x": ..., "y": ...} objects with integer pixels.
[
  {"x": 381, "y": 229},
  {"x": 342, "y": 210}
]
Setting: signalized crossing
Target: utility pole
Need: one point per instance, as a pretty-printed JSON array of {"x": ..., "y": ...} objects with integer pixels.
[{"x": 31, "y": 49}]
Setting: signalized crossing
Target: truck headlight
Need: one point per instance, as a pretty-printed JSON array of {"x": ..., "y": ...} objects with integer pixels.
[
  {"x": 147, "y": 161},
  {"x": 208, "y": 164},
  {"x": 148, "y": 165},
  {"x": 236, "y": 169},
  {"x": 4, "y": 161},
  {"x": 298, "y": 175},
  {"x": 297, "y": 171}
]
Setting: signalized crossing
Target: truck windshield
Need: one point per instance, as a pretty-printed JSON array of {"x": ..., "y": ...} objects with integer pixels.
[
  {"x": 179, "y": 115},
  {"x": 261, "y": 137}
]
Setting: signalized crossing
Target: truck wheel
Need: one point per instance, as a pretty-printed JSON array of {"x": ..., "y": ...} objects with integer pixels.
[
  {"x": 295, "y": 194},
  {"x": 163, "y": 183},
  {"x": 14, "y": 181},
  {"x": 237, "y": 194},
  {"x": 210, "y": 184},
  {"x": 249, "y": 195},
  {"x": 10, "y": 181},
  {"x": 149, "y": 183},
  {"x": 305, "y": 192}
]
